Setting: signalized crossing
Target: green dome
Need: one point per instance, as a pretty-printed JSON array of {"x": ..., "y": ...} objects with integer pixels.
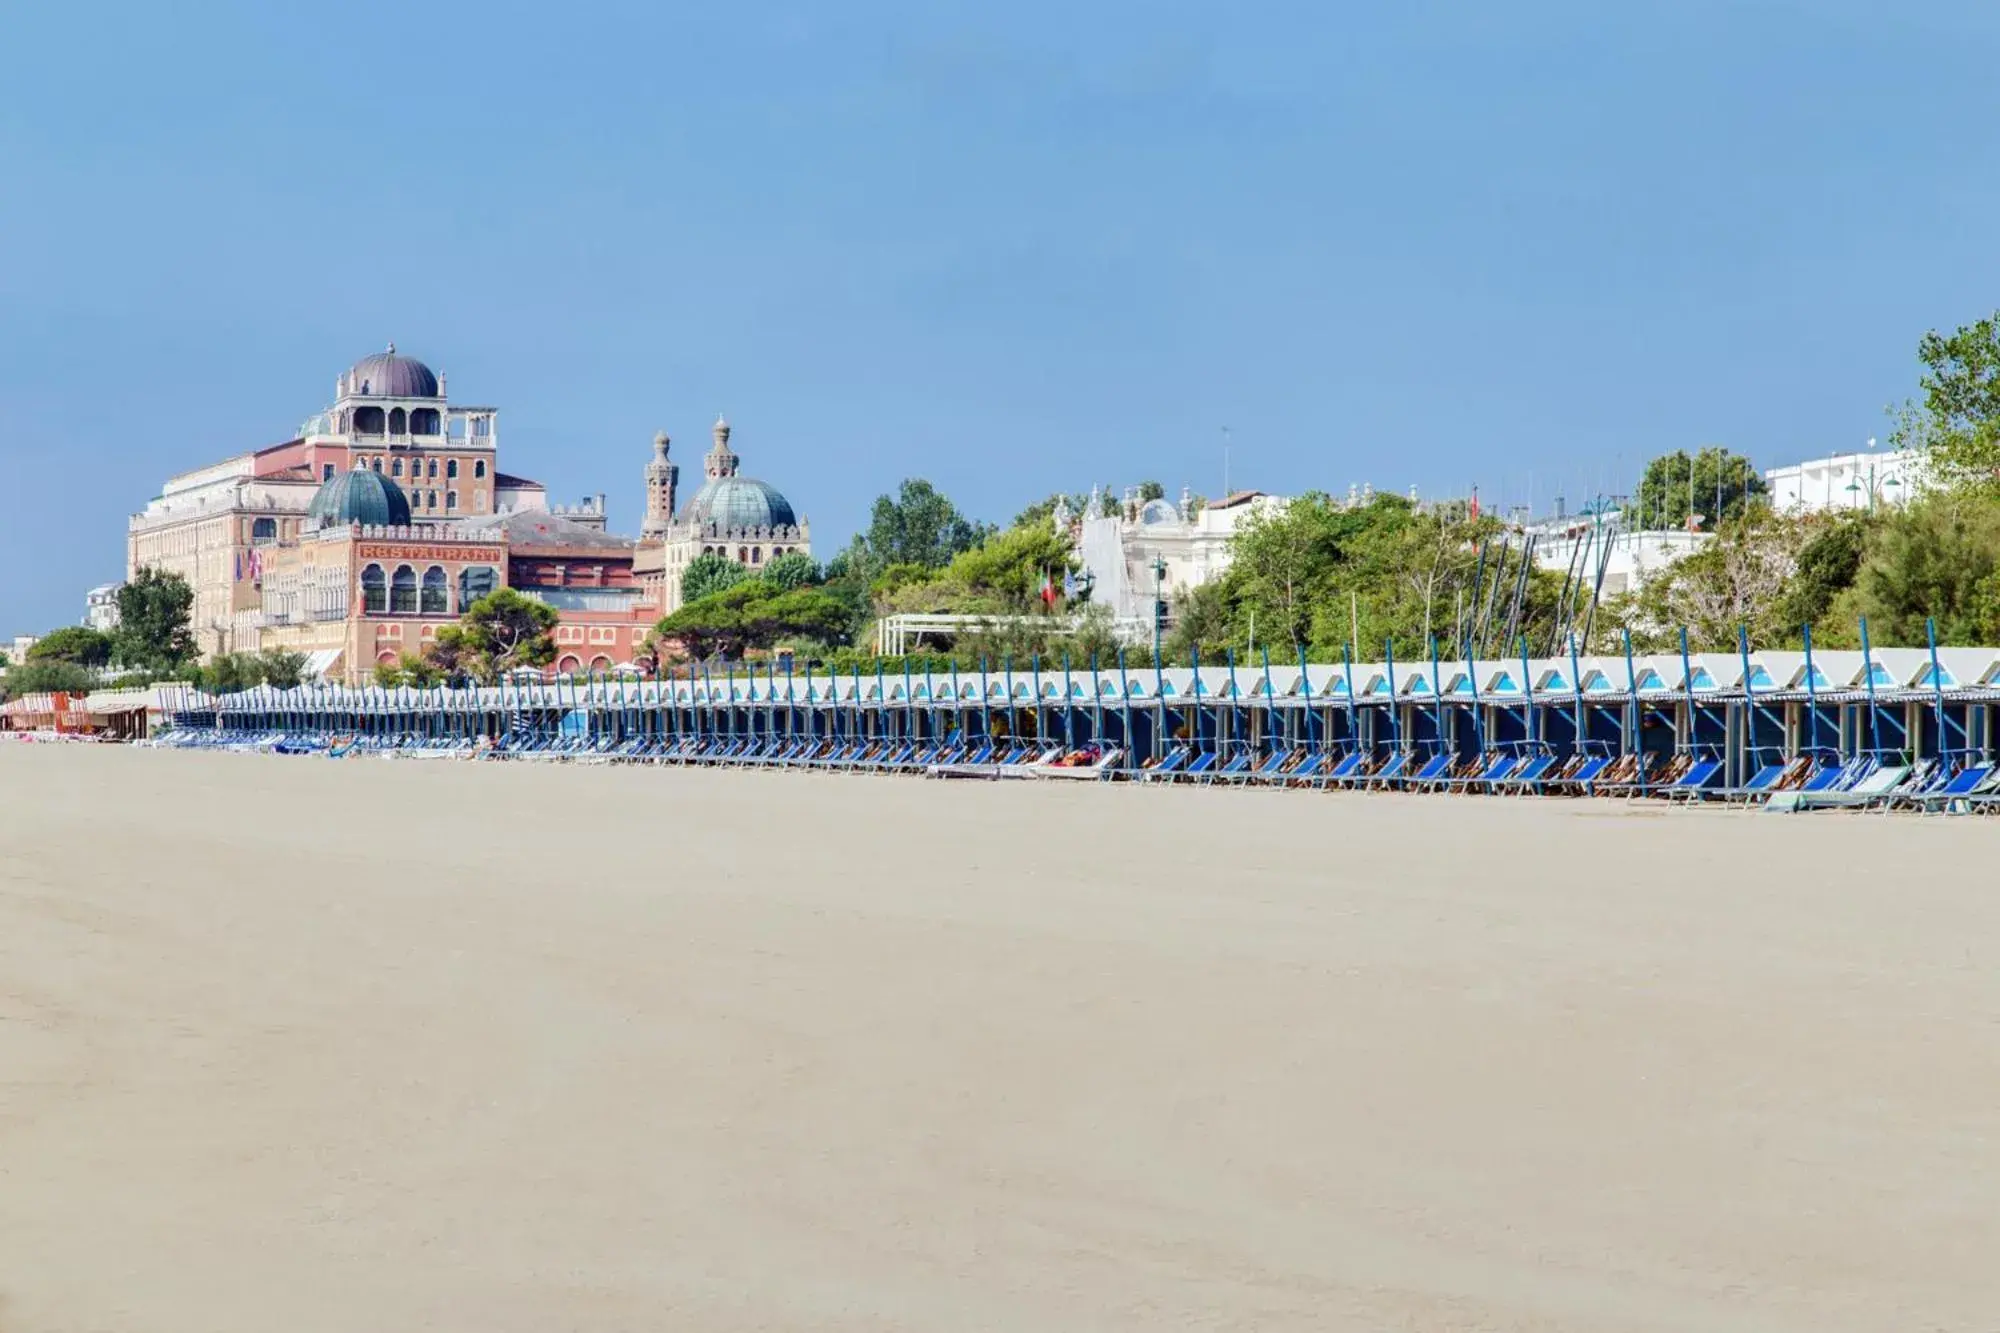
[
  {"x": 359, "y": 497},
  {"x": 733, "y": 503}
]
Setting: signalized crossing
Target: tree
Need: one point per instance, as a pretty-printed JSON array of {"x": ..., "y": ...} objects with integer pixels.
[
  {"x": 453, "y": 653},
  {"x": 282, "y": 669},
  {"x": 1714, "y": 484},
  {"x": 154, "y": 608},
  {"x": 46, "y": 677},
  {"x": 919, "y": 526},
  {"x": 388, "y": 675},
  {"x": 1043, "y": 511},
  {"x": 504, "y": 630},
  {"x": 1151, "y": 490},
  {"x": 709, "y": 574},
  {"x": 1828, "y": 564},
  {"x": 1739, "y": 579},
  {"x": 754, "y": 615},
  {"x": 1936, "y": 559},
  {"x": 1204, "y": 621},
  {"x": 1958, "y": 422},
  {"x": 227, "y": 673},
  {"x": 794, "y": 569},
  {"x": 78, "y": 645},
  {"x": 418, "y": 672}
]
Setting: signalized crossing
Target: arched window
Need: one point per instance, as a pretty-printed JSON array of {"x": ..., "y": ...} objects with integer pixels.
[
  {"x": 367, "y": 420},
  {"x": 600, "y": 663},
  {"x": 376, "y": 464},
  {"x": 478, "y": 467},
  {"x": 374, "y": 590},
  {"x": 474, "y": 582},
  {"x": 432, "y": 470},
  {"x": 431, "y": 500},
  {"x": 396, "y": 468},
  {"x": 569, "y": 664},
  {"x": 264, "y": 530},
  {"x": 423, "y": 421},
  {"x": 450, "y": 501},
  {"x": 437, "y": 592},
  {"x": 451, "y": 467},
  {"x": 403, "y": 591},
  {"x": 742, "y": 555},
  {"x": 399, "y": 422},
  {"x": 756, "y": 555}
]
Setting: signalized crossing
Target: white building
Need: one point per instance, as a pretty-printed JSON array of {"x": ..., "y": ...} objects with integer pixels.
[
  {"x": 1159, "y": 549},
  {"x": 1582, "y": 548},
  {"x": 100, "y": 607},
  {"x": 1847, "y": 481}
]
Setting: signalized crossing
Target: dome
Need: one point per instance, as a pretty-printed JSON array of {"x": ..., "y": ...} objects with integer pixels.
[
  {"x": 1158, "y": 511},
  {"x": 359, "y": 497},
  {"x": 739, "y": 502},
  {"x": 386, "y": 375}
]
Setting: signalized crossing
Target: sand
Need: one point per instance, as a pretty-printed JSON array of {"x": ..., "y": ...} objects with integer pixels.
[{"x": 293, "y": 1044}]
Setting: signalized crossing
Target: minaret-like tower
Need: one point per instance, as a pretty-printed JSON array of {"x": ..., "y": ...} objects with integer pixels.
[
  {"x": 662, "y": 482},
  {"x": 720, "y": 462}
]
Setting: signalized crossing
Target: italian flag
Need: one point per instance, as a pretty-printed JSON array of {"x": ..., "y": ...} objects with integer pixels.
[{"x": 1048, "y": 588}]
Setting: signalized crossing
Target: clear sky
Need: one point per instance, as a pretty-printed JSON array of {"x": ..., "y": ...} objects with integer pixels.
[{"x": 1010, "y": 248}]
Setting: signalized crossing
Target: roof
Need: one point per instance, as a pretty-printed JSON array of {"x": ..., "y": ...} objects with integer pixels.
[
  {"x": 359, "y": 496},
  {"x": 1235, "y": 498},
  {"x": 540, "y": 529},
  {"x": 386, "y": 375},
  {"x": 736, "y": 503},
  {"x": 506, "y": 479}
]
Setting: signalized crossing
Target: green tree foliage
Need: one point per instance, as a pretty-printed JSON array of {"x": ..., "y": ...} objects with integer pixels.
[
  {"x": 919, "y": 526},
  {"x": 227, "y": 673},
  {"x": 419, "y": 672},
  {"x": 1001, "y": 576},
  {"x": 1958, "y": 422},
  {"x": 1151, "y": 490},
  {"x": 388, "y": 675},
  {"x": 504, "y": 630},
  {"x": 794, "y": 569},
  {"x": 1679, "y": 484},
  {"x": 709, "y": 574},
  {"x": 153, "y": 621},
  {"x": 754, "y": 615},
  {"x": 1937, "y": 558},
  {"x": 282, "y": 669},
  {"x": 78, "y": 645},
  {"x": 46, "y": 677},
  {"x": 1742, "y": 578}
]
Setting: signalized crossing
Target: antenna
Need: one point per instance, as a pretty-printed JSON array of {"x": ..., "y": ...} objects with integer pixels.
[{"x": 1225, "y": 463}]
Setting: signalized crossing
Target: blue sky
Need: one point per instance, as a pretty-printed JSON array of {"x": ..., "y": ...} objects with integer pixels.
[{"x": 1009, "y": 248}]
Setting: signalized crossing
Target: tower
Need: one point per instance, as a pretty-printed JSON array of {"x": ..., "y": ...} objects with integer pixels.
[
  {"x": 662, "y": 482},
  {"x": 720, "y": 462}
]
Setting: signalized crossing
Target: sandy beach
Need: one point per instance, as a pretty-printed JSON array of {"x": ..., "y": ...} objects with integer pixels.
[{"x": 302, "y": 1045}]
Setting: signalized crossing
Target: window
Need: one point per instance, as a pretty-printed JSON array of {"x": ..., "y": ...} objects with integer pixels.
[
  {"x": 432, "y": 470},
  {"x": 450, "y": 501},
  {"x": 403, "y": 591},
  {"x": 437, "y": 592},
  {"x": 479, "y": 467},
  {"x": 326, "y": 472},
  {"x": 431, "y": 500},
  {"x": 264, "y": 530},
  {"x": 396, "y": 468},
  {"x": 451, "y": 467},
  {"x": 569, "y": 634},
  {"x": 374, "y": 591},
  {"x": 377, "y": 465},
  {"x": 474, "y": 582}
]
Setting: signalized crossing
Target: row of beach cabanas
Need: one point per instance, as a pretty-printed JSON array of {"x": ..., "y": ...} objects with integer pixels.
[{"x": 1823, "y": 727}]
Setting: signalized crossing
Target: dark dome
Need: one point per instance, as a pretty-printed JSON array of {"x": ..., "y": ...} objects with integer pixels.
[
  {"x": 739, "y": 502},
  {"x": 386, "y": 375},
  {"x": 359, "y": 497}
]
